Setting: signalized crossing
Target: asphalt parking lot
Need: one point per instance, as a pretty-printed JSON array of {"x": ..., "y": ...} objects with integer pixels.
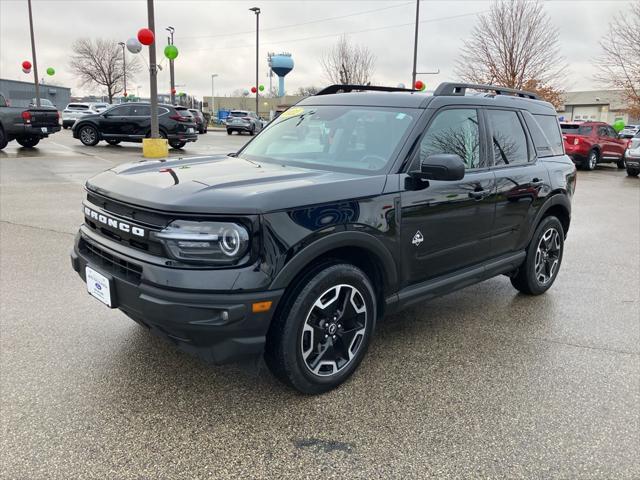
[{"x": 482, "y": 383}]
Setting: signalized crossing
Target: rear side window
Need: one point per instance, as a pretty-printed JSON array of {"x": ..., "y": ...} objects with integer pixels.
[
  {"x": 546, "y": 135},
  {"x": 77, "y": 106},
  {"x": 456, "y": 132},
  {"x": 508, "y": 138},
  {"x": 140, "y": 111}
]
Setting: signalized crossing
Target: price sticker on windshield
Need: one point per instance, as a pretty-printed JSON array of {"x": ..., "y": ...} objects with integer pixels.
[{"x": 292, "y": 112}]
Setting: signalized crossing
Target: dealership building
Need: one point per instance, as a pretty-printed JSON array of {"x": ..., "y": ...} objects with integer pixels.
[
  {"x": 595, "y": 106},
  {"x": 20, "y": 94}
]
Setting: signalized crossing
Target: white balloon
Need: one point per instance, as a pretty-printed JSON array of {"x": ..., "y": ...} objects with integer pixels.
[
  {"x": 134, "y": 45},
  {"x": 26, "y": 70},
  {"x": 245, "y": 92},
  {"x": 401, "y": 85}
]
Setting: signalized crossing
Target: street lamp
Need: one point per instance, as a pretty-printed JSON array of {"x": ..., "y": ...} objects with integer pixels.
[
  {"x": 124, "y": 68},
  {"x": 415, "y": 47},
  {"x": 213, "y": 94},
  {"x": 256, "y": 10},
  {"x": 171, "y": 30}
]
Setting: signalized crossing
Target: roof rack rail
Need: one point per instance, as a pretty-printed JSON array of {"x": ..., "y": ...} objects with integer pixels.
[
  {"x": 331, "y": 89},
  {"x": 459, "y": 89}
]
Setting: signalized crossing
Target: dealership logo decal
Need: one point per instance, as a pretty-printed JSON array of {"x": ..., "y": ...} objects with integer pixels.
[
  {"x": 113, "y": 223},
  {"x": 417, "y": 239}
]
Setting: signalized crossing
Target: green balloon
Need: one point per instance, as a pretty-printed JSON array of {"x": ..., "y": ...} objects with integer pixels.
[
  {"x": 261, "y": 88},
  {"x": 182, "y": 94},
  {"x": 171, "y": 52},
  {"x": 618, "y": 125},
  {"x": 51, "y": 71}
]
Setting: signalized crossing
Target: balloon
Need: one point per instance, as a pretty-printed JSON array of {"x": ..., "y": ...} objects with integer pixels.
[
  {"x": 51, "y": 71},
  {"x": 173, "y": 91},
  {"x": 401, "y": 85},
  {"x": 618, "y": 125},
  {"x": 561, "y": 119},
  {"x": 26, "y": 65},
  {"x": 261, "y": 88},
  {"x": 245, "y": 92},
  {"x": 420, "y": 85},
  {"x": 254, "y": 89},
  {"x": 26, "y": 70},
  {"x": 145, "y": 36},
  {"x": 133, "y": 45},
  {"x": 182, "y": 94},
  {"x": 171, "y": 52}
]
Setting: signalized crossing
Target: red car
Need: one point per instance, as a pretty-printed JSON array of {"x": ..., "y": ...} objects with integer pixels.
[{"x": 590, "y": 143}]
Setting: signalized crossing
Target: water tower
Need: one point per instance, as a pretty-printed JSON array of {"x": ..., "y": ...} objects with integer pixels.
[{"x": 281, "y": 64}]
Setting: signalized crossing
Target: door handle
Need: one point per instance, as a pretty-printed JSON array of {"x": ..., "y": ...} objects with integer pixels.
[
  {"x": 536, "y": 182},
  {"x": 479, "y": 194}
]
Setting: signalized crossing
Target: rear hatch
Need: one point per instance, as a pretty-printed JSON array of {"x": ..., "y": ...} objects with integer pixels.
[
  {"x": 44, "y": 117},
  {"x": 573, "y": 131}
]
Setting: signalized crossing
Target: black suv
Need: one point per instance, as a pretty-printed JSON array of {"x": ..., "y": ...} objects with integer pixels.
[
  {"x": 131, "y": 122},
  {"x": 348, "y": 207}
]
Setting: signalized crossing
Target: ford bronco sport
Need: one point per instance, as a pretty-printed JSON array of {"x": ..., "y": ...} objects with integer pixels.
[{"x": 347, "y": 207}]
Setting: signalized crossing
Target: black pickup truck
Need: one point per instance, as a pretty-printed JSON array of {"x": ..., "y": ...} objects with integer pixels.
[{"x": 26, "y": 125}]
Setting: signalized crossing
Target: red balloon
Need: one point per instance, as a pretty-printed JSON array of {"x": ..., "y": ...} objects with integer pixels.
[
  {"x": 254, "y": 89},
  {"x": 419, "y": 85},
  {"x": 145, "y": 36},
  {"x": 125, "y": 94},
  {"x": 26, "y": 64},
  {"x": 173, "y": 91}
]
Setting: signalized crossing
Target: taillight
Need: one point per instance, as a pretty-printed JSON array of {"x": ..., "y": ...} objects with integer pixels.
[
  {"x": 179, "y": 118},
  {"x": 576, "y": 141},
  {"x": 26, "y": 117},
  {"x": 246, "y": 118}
]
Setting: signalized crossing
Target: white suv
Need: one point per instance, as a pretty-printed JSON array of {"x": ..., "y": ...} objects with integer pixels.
[
  {"x": 74, "y": 111},
  {"x": 632, "y": 156}
]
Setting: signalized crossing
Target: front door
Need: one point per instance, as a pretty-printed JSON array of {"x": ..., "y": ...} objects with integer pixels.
[
  {"x": 112, "y": 122},
  {"x": 446, "y": 226}
]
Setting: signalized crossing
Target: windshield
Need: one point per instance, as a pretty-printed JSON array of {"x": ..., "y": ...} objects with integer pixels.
[
  {"x": 573, "y": 129},
  {"x": 333, "y": 137}
]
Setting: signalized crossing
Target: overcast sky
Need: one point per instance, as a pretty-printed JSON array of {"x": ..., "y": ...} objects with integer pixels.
[{"x": 215, "y": 36}]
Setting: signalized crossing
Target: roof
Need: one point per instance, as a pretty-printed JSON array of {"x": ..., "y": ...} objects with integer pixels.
[{"x": 614, "y": 98}]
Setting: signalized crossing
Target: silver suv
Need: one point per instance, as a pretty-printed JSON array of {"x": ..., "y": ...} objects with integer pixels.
[
  {"x": 77, "y": 110},
  {"x": 243, "y": 121}
]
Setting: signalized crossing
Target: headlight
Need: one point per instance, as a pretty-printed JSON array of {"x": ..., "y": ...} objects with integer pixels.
[{"x": 221, "y": 243}]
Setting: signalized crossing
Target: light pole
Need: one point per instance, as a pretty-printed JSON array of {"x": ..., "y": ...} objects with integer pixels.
[
  {"x": 213, "y": 95},
  {"x": 256, "y": 10},
  {"x": 153, "y": 73},
  {"x": 415, "y": 46},
  {"x": 171, "y": 30},
  {"x": 33, "y": 54},
  {"x": 124, "y": 68}
]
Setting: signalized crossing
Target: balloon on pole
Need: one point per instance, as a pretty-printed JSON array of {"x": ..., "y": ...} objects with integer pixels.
[
  {"x": 51, "y": 71},
  {"x": 254, "y": 89},
  {"x": 26, "y": 65},
  {"x": 145, "y": 36},
  {"x": 171, "y": 52},
  {"x": 26, "y": 70},
  {"x": 261, "y": 88},
  {"x": 245, "y": 92},
  {"x": 134, "y": 45},
  {"x": 420, "y": 85},
  {"x": 401, "y": 85},
  {"x": 618, "y": 125}
]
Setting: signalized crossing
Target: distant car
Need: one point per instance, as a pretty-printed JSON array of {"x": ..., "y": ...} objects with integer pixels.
[
  {"x": 132, "y": 122},
  {"x": 44, "y": 102},
  {"x": 27, "y": 126},
  {"x": 632, "y": 156},
  {"x": 99, "y": 107},
  {"x": 243, "y": 121},
  {"x": 200, "y": 120},
  {"x": 591, "y": 143},
  {"x": 629, "y": 131},
  {"x": 74, "y": 111}
]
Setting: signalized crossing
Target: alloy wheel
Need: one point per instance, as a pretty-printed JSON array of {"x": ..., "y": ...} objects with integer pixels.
[
  {"x": 87, "y": 135},
  {"x": 593, "y": 160},
  {"x": 334, "y": 330},
  {"x": 548, "y": 256}
]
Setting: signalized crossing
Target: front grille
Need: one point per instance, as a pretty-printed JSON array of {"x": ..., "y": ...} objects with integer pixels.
[{"x": 117, "y": 266}]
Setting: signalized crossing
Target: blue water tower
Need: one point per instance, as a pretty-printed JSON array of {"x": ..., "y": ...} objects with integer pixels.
[{"x": 281, "y": 64}]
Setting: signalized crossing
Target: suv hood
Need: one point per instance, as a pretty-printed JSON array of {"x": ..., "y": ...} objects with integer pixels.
[{"x": 227, "y": 185}]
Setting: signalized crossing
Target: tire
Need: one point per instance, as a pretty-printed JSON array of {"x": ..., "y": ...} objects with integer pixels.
[
  {"x": 3, "y": 139},
  {"x": 620, "y": 163},
  {"x": 28, "y": 142},
  {"x": 177, "y": 144},
  {"x": 309, "y": 321},
  {"x": 113, "y": 141},
  {"x": 632, "y": 172},
  {"x": 544, "y": 258},
  {"x": 592, "y": 160},
  {"x": 252, "y": 132},
  {"x": 88, "y": 135},
  {"x": 229, "y": 132}
]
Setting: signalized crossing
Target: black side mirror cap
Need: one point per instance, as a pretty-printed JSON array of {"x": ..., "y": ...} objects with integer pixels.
[{"x": 442, "y": 166}]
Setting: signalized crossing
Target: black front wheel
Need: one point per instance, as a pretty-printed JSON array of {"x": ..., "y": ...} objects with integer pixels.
[
  {"x": 322, "y": 331},
  {"x": 88, "y": 135},
  {"x": 621, "y": 165},
  {"x": 3, "y": 139},
  {"x": 544, "y": 257},
  {"x": 633, "y": 172},
  {"x": 113, "y": 142},
  {"x": 28, "y": 142},
  {"x": 177, "y": 144},
  {"x": 229, "y": 132}
]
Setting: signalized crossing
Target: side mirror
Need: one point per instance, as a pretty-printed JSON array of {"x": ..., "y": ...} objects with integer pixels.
[{"x": 442, "y": 166}]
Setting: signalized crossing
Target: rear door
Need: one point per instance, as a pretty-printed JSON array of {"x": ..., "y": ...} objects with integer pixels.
[
  {"x": 521, "y": 180},
  {"x": 112, "y": 122},
  {"x": 138, "y": 122},
  {"x": 447, "y": 226}
]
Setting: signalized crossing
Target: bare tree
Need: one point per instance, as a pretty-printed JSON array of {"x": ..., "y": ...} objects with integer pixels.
[
  {"x": 348, "y": 64},
  {"x": 515, "y": 45},
  {"x": 99, "y": 63},
  {"x": 619, "y": 64},
  {"x": 307, "y": 91}
]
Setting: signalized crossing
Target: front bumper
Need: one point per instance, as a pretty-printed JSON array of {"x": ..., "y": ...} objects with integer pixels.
[{"x": 217, "y": 327}]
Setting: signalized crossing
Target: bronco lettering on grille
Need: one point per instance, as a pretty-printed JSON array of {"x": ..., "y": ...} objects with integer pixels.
[{"x": 113, "y": 223}]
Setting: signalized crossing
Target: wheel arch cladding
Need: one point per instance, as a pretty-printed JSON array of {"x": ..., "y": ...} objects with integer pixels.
[{"x": 560, "y": 207}]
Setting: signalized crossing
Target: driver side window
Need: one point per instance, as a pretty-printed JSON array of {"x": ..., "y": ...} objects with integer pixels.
[{"x": 453, "y": 131}]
